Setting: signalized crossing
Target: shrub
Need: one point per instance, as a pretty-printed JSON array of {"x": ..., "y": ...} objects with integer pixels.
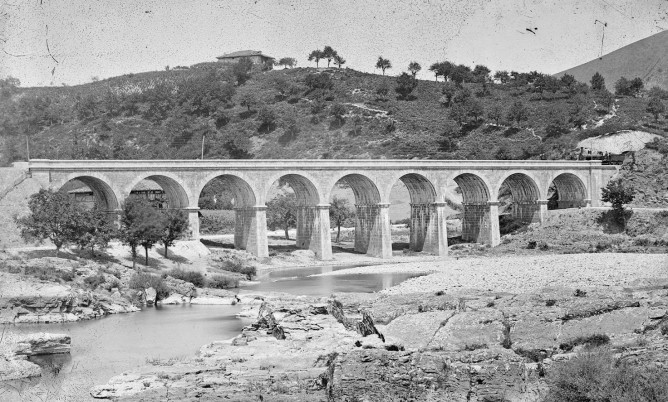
[
  {"x": 543, "y": 246},
  {"x": 664, "y": 329},
  {"x": 597, "y": 376},
  {"x": 594, "y": 340},
  {"x": 143, "y": 281},
  {"x": 94, "y": 281},
  {"x": 223, "y": 282},
  {"x": 550, "y": 302},
  {"x": 240, "y": 267},
  {"x": 532, "y": 244},
  {"x": 580, "y": 293},
  {"x": 196, "y": 278}
]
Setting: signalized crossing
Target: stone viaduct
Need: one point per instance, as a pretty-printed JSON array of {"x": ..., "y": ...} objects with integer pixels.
[{"x": 524, "y": 183}]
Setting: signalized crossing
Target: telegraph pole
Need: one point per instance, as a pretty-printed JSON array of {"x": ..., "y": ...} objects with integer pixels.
[
  {"x": 28, "y": 147},
  {"x": 203, "y": 136}
]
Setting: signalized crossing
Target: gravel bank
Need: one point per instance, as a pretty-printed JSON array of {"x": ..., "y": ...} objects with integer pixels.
[{"x": 518, "y": 274}]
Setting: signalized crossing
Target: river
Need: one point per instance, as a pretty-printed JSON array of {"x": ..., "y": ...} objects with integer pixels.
[{"x": 108, "y": 346}]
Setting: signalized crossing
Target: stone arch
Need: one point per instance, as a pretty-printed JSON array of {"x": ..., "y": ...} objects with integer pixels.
[
  {"x": 249, "y": 221},
  {"x": 476, "y": 219},
  {"x": 312, "y": 216},
  {"x": 570, "y": 192},
  {"x": 244, "y": 194},
  {"x": 423, "y": 212},
  {"x": 367, "y": 200},
  {"x": 104, "y": 194},
  {"x": 177, "y": 192},
  {"x": 307, "y": 186},
  {"x": 519, "y": 194}
]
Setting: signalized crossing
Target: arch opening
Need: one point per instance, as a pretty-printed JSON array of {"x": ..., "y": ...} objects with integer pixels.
[
  {"x": 91, "y": 192},
  {"x": 292, "y": 204},
  {"x": 566, "y": 191},
  {"x": 518, "y": 203},
  {"x": 228, "y": 212},
  {"x": 354, "y": 202},
  {"x": 470, "y": 201},
  {"x": 419, "y": 194},
  {"x": 162, "y": 191}
]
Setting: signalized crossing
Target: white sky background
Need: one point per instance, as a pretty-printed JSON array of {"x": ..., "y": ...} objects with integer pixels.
[{"x": 107, "y": 38}]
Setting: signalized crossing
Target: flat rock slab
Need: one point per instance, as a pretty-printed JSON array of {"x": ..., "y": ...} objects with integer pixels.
[
  {"x": 415, "y": 331},
  {"x": 470, "y": 329},
  {"x": 42, "y": 344}
]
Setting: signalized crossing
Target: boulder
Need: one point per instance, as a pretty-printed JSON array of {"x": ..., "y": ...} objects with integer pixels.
[
  {"x": 42, "y": 344},
  {"x": 151, "y": 295},
  {"x": 181, "y": 287},
  {"x": 15, "y": 369}
]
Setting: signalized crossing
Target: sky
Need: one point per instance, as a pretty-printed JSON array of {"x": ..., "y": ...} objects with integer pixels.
[{"x": 56, "y": 42}]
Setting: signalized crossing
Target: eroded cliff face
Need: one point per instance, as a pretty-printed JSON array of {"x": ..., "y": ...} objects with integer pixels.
[{"x": 465, "y": 346}]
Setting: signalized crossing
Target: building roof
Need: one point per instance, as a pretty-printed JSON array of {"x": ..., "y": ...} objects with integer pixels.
[{"x": 243, "y": 53}]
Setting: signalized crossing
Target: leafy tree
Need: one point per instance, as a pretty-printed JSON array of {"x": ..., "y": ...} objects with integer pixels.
[
  {"x": 414, "y": 67},
  {"x": 636, "y": 85},
  {"x": 617, "y": 193},
  {"x": 495, "y": 113},
  {"x": 175, "y": 225},
  {"x": 339, "y": 61},
  {"x": 434, "y": 69},
  {"x": 474, "y": 109},
  {"x": 656, "y": 92},
  {"x": 557, "y": 126},
  {"x": 443, "y": 69},
  {"x": 282, "y": 212},
  {"x": 316, "y": 56},
  {"x": 458, "y": 113},
  {"x": 53, "y": 216},
  {"x": 502, "y": 76},
  {"x": 481, "y": 73},
  {"x": 568, "y": 80},
  {"x": 383, "y": 64},
  {"x": 518, "y": 112},
  {"x": 405, "y": 85},
  {"x": 287, "y": 62},
  {"x": 328, "y": 53},
  {"x": 597, "y": 82},
  {"x": 95, "y": 228},
  {"x": 248, "y": 99},
  {"x": 242, "y": 70},
  {"x": 449, "y": 89},
  {"x": 623, "y": 86},
  {"x": 605, "y": 98},
  {"x": 319, "y": 81},
  {"x": 140, "y": 226},
  {"x": 337, "y": 111},
  {"x": 267, "y": 118},
  {"x": 382, "y": 90},
  {"x": 656, "y": 107},
  {"x": 340, "y": 211},
  {"x": 460, "y": 74}
]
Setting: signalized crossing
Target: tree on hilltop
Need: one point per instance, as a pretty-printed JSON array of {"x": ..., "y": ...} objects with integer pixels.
[
  {"x": 481, "y": 73},
  {"x": 597, "y": 82},
  {"x": 329, "y": 53},
  {"x": 414, "y": 67},
  {"x": 339, "y": 61},
  {"x": 316, "y": 56},
  {"x": 383, "y": 64},
  {"x": 502, "y": 76},
  {"x": 287, "y": 62}
]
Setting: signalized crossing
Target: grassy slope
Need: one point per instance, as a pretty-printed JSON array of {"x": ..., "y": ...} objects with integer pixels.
[{"x": 645, "y": 58}]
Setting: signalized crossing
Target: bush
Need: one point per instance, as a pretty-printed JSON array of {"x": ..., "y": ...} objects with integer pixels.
[
  {"x": 580, "y": 293},
  {"x": 664, "y": 329},
  {"x": 94, "y": 281},
  {"x": 223, "y": 282},
  {"x": 550, "y": 302},
  {"x": 196, "y": 278},
  {"x": 532, "y": 244},
  {"x": 594, "y": 340},
  {"x": 240, "y": 267},
  {"x": 143, "y": 281},
  {"x": 597, "y": 376}
]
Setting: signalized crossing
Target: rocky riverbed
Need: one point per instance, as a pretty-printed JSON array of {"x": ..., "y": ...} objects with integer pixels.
[
  {"x": 489, "y": 341},
  {"x": 15, "y": 349}
]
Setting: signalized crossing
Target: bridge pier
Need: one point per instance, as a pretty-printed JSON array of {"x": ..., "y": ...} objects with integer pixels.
[
  {"x": 372, "y": 230},
  {"x": 428, "y": 229},
  {"x": 436, "y": 231},
  {"x": 193, "y": 222},
  {"x": 542, "y": 210},
  {"x": 526, "y": 211},
  {"x": 313, "y": 230},
  {"x": 250, "y": 230},
  {"x": 481, "y": 223}
]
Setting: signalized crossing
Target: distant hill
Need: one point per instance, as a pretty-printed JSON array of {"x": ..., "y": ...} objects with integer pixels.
[{"x": 646, "y": 58}]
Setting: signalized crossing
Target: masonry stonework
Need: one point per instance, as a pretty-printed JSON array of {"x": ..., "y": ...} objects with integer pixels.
[{"x": 524, "y": 185}]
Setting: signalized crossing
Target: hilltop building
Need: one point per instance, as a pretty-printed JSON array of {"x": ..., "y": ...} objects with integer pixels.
[{"x": 254, "y": 56}]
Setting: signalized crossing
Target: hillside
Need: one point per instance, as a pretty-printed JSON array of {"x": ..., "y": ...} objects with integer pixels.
[
  {"x": 307, "y": 113},
  {"x": 646, "y": 58}
]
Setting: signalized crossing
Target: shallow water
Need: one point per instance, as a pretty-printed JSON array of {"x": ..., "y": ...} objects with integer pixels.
[{"x": 108, "y": 346}]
